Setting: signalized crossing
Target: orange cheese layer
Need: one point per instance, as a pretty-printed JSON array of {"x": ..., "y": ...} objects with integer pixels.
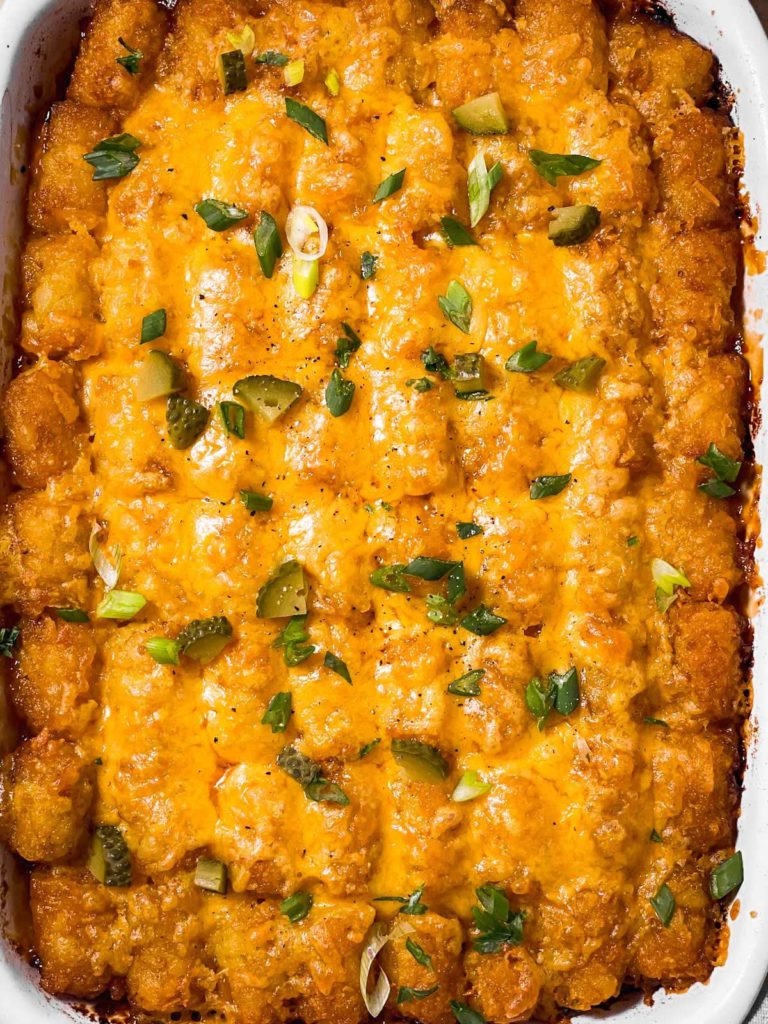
[{"x": 178, "y": 757}]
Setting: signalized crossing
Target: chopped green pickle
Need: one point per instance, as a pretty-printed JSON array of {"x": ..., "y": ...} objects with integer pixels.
[
  {"x": 185, "y": 420},
  {"x": 211, "y": 875},
  {"x": 284, "y": 594},
  {"x": 110, "y": 860},
  {"x": 483, "y": 116},
  {"x": 160, "y": 375},
  {"x": 231, "y": 68},
  {"x": 572, "y": 225},
  {"x": 469, "y": 373},
  {"x": 203, "y": 639},
  {"x": 268, "y": 396},
  {"x": 422, "y": 761}
]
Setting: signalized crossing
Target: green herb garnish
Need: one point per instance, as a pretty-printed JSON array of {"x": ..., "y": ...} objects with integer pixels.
[
  {"x": 549, "y": 486},
  {"x": 465, "y": 1014},
  {"x": 726, "y": 471},
  {"x": 419, "y": 954},
  {"x": 368, "y": 265},
  {"x": 527, "y": 359},
  {"x": 273, "y": 58},
  {"x": 655, "y": 837},
  {"x": 455, "y": 233},
  {"x": 467, "y": 685},
  {"x": 255, "y": 502},
  {"x": 296, "y": 907},
  {"x": 434, "y": 362},
  {"x": 153, "y": 326},
  {"x": 269, "y": 246},
  {"x": 278, "y": 712},
  {"x": 310, "y": 777},
  {"x": 406, "y": 994},
  {"x": 132, "y": 59},
  {"x": 419, "y": 384},
  {"x": 307, "y": 118},
  {"x": 552, "y": 166},
  {"x": 497, "y": 924},
  {"x": 392, "y": 578},
  {"x": 72, "y": 614},
  {"x": 389, "y": 186},
  {"x": 347, "y": 346},
  {"x": 233, "y": 418},
  {"x": 582, "y": 375},
  {"x": 726, "y": 876},
  {"x": 335, "y": 664},
  {"x": 114, "y": 157},
  {"x": 664, "y": 904},
  {"x": 456, "y": 305},
  {"x": 368, "y": 747},
  {"x": 482, "y": 621},
  {"x": 218, "y": 215},
  {"x": 650, "y": 720},
  {"x": 339, "y": 394},
  {"x": 293, "y": 639},
  {"x": 411, "y": 905},
  {"x": 480, "y": 184},
  {"x": 467, "y": 530},
  {"x": 9, "y": 636}
]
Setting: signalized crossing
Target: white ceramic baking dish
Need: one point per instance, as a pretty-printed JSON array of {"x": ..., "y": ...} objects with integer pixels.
[{"x": 37, "y": 40}]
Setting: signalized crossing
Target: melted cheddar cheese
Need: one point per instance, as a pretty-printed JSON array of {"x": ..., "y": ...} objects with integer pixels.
[{"x": 589, "y": 818}]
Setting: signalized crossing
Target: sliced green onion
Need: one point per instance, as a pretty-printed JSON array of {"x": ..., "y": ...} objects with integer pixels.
[
  {"x": 278, "y": 712},
  {"x": 667, "y": 577},
  {"x": 377, "y": 936},
  {"x": 419, "y": 954},
  {"x": 335, "y": 664},
  {"x": 497, "y": 924},
  {"x": 411, "y": 905},
  {"x": 456, "y": 305},
  {"x": 650, "y": 720},
  {"x": 339, "y": 394},
  {"x": 392, "y": 578},
  {"x": 465, "y": 1014},
  {"x": 455, "y": 233},
  {"x": 244, "y": 40},
  {"x": 307, "y": 118},
  {"x": 469, "y": 787},
  {"x": 434, "y": 362},
  {"x": 347, "y": 346},
  {"x": 421, "y": 384},
  {"x": 307, "y": 233},
  {"x": 153, "y": 326},
  {"x": 297, "y": 906},
  {"x": 391, "y": 184},
  {"x": 482, "y": 621},
  {"x": 120, "y": 604},
  {"x": 293, "y": 639},
  {"x": 163, "y": 650},
  {"x": 211, "y": 875},
  {"x": 293, "y": 72},
  {"x": 272, "y": 57},
  {"x": 527, "y": 359},
  {"x": 368, "y": 265},
  {"x": 332, "y": 82},
  {"x": 723, "y": 466},
  {"x": 109, "y": 571},
  {"x": 132, "y": 60},
  {"x": 716, "y": 489},
  {"x": 9, "y": 636},
  {"x": 219, "y": 215},
  {"x": 255, "y": 502},
  {"x": 421, "y": 761},
  {"x": 582, "y": 375},
  {"x": 114, "y": 157},
  {"x": 664, "y": 904},
  {"x": 552, "y": 166},
  {"x": 467, "y": 685},
  {"x": 269, "y": 247},
  {"x": 567, "y": 692},
  {"x": 406, "y": 994},
  {"x": 467, "y": 530},
  {"x": 480, "y": 184},
  {"x": 549, "y": 486},
  {"x": 368, "y": 747},
  {"x": 233, "y": 418},
  {"x": 726, "y": 877},
  {"x": 306, "y": 277},
  {"x": 633, "y": 541},
  {"x": 72, "y": 614},
  {"x": 540, "y": 699}
]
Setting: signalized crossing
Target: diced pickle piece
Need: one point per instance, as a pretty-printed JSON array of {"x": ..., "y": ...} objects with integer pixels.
[
  {"x": 110, "y": 859},
  {"x": 572, "y": 225},
  {"x": 268, "y": 396},
  {"x": 211, "y": 875},
  {"x": 203, "y": 639},
  {"x": 468, "y": 373},
  {"x": 483, "y": 116},
  {"x": 284, "y": 594},
  {"x": 422, "y": 761},
  {"x": 160, "y": 375},
  {"x": 186, "y": 420},
  {"x": 232, "y": 74}
]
